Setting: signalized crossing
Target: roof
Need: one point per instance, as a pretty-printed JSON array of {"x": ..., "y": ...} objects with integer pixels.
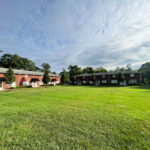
[
  {"x": 107, "y": 73},
  {"x": 25, "y": 72}
]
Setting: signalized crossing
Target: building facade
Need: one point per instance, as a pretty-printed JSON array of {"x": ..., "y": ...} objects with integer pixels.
[
  {"x": 110, "y": 78},
  {"x": 26, "y": 78}
]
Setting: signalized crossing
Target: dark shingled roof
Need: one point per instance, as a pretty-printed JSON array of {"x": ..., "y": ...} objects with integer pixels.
[
  {"x": 25, "y": 72},
  {"x": 107, "y": 73}
]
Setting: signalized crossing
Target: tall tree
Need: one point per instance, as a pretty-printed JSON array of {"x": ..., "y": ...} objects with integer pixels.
[
  {"x": 145, "y": 70},
  {"x": 128, "y": 67},
  {"x": 46, "y": 78},
  {"x": 93, "y": 78},
  {"x": 45, "y": 67},
  {"x": 145, "y": 67},
  {"x": 65, "y": 76},
  {"x": 121, "y": 77},
  {"x": 100, "y": 69},
  {"x": 88, "y": 70},
  {"x": 9, "y": 76},
  {"x": 73, "y": 71},
  {"x": 118, "y": 69}
]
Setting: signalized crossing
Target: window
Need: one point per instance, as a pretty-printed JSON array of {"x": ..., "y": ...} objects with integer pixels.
[
  {"x": 131, "y": 75},
  {"x": 13, "y": 84},
  {"x": 25, "y": 83},
  {"x": 41, "y": 83},
  {"x": 113, "y": 76},
  {"x": 26, "y": 76},
  {"x": 0, "y": 84},
  {"x": 103, "y": 76},
  {"x": 104, "y": 81},
  {"x": 84, "y": 82},
  {"x": 114, "y": 81},
  {"x": 133, "y": 81}
]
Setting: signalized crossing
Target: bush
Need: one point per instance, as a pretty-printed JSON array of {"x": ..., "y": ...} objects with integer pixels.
[{"x": 20, "y": 87}]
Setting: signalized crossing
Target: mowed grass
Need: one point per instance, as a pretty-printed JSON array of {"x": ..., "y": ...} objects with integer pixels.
[{"x": 75, "y": 118}]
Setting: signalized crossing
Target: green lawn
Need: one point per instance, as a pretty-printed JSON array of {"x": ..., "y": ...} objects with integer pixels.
[{"x": 74, "y": 118}]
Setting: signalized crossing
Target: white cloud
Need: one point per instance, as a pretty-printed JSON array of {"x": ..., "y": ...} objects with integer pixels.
[{"x": 97, "y": 33}]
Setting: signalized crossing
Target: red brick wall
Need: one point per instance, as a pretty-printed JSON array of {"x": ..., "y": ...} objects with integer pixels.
[
  {"x": 27, "y": 78},
  {"x": 109, "y": 78}
]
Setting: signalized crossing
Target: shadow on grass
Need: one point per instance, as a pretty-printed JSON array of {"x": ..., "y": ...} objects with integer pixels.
[
  {"x": 96, "y": 86},
  {"x": 111, "y": 86},
  {"x": 144, "y": 87}
]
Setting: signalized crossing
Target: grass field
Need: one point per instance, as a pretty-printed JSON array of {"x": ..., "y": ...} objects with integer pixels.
[{"x": 74, "y": 118}]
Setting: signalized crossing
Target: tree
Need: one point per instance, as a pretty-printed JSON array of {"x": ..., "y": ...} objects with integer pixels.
[
  {"x": 145, "y": 67},
  {"x": 118, "y": 69},
  {"x": 146, "y": 77},
  {"x": 93, "y": 78},
  {"x": 9, "y": 76},
  {"x": 145, "y": 70},
  {"x": 46, "y": 77},
  {"x": 88, "y": 70},
  {"x": 53, "y": 72},
  {"x": 46, "y": 67},
  {"x": 65, "y": 76},
  {"x": 17, "y": 62},
  {"x": 121, "y": 77},
  {"x": 73, "y": 71},
  {"x": 128, "y": 68},
  {"x": 100, "y": 69}
]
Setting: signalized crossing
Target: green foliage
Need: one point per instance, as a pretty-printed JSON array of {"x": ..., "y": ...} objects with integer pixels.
[
  {"x": 17, "y": 62},
  {"x": 121, "y": 77},
  {"x": 146, "y": 77},
  {"x": 46, "y": 77},
  {"x": 9, "y": 76},
  {"x": 65, "y": 76},
  {"x": 118, "y": 69},
  {"x": 88, "y": 70},
  {"x": 100, "y": 69},
  {"x": 145, "y": 69},
  {"x": 21, "y": 87},
  {"x": 53, "y": 72},
  {"x": 128, "y": 68},
  {"x": 46, "y": 67},
  {"x": 93, "y": 78},
  {"x": 73, "y": 71},
  {"x": 75, "y": 118}
]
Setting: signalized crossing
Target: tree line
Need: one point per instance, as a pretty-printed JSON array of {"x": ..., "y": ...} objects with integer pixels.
[
  {"x": 73, "y": 70},
  {"x": 17, "y": 62},
  {"x": 67, "y": 76}
]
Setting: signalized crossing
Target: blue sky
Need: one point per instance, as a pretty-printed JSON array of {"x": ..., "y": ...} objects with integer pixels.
[{"x": 94, "y": 33}]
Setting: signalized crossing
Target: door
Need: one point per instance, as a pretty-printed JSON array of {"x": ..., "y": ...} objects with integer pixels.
[
  {"x": 35, "y": 84},
  {"x": 32, "y": 84},
  {"x": 1, "y": 85}
]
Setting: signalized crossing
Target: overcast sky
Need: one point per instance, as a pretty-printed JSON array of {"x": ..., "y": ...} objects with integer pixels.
[{"x": 94, "y": 33}]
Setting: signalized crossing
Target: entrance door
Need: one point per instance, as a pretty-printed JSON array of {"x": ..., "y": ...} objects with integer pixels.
[
  {"x": 1, "y": 85},
  {"x": 35, "y": 84},
  {"x": 32, "y": 84}
]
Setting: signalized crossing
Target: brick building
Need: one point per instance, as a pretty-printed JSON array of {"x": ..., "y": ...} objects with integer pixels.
[
  {"x": 110, "y": 78},
  {"x": 26, "y": 78}
]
